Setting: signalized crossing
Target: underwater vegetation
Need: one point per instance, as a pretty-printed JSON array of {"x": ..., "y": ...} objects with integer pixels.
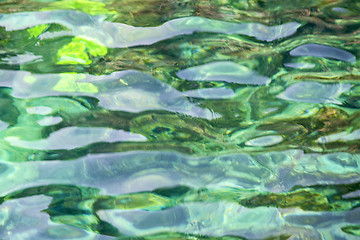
[{"x": 166, "y": 119}]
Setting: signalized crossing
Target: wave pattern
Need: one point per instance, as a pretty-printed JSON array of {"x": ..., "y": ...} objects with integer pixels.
[{"x": 167, "y": 119}]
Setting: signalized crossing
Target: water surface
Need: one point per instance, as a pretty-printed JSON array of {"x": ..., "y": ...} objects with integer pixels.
[{"x": 167, "y": 119}]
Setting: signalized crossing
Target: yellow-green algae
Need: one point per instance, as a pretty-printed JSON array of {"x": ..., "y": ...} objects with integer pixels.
[{"x": 78, "y": 51}]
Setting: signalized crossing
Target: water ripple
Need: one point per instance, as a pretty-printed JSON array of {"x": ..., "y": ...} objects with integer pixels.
[
  {"x": 179, "y": 120},
  {"x": 116, "y": 35}
]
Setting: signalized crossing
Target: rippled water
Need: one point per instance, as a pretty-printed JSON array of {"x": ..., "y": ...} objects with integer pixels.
[{"x": 166, "y": 119}]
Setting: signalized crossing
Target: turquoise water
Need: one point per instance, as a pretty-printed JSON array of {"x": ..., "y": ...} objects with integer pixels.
[{"x": 164, "y": 119}]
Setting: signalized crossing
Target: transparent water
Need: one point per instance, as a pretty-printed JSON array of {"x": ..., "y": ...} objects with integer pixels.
[{"x": 165, "y": 119}]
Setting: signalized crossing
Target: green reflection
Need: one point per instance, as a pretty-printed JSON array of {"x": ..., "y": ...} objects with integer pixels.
[
  {"x": 78, "y": 206},
  {"x": 203, "y": 115}
]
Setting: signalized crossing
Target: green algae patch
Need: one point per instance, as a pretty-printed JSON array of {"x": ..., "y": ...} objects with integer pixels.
[
  {"x": 37, "y": 30},
  {"x": 353, "y": 230},
  {"x": 90, "y": 7},
  {"x": 78, "y": 51}
]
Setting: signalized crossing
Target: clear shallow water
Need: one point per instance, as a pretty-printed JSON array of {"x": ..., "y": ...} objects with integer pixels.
[{"x": 179, "y": 120}]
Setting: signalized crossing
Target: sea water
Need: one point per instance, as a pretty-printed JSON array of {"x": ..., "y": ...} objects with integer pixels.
[{"x": 167, "y": 119}]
